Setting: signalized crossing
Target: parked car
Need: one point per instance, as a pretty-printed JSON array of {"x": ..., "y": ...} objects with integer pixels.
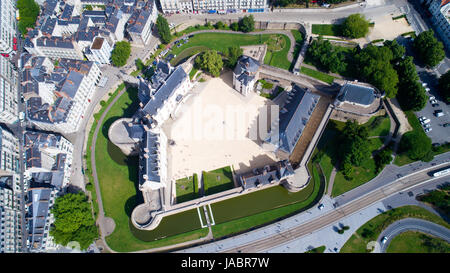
[
  {"x": 435, "y": 104},
  {"x": 428, "y": 129},
  {"x": 320, "y": 206},
  {"x": 427, "y": 125},
  {"x": 432, "y": 97},
  {"x": 422, "y": 118},
  {"x": 424, "y": 84},
  {"x": 384, "y": 240},
  {"x": 425, "y": 121},
  {"x": 438, "y": 113},
  {"x": 446, "y": 124},
  {"x": 433, "y": 101},
  {"x": 427, "y": 89}
]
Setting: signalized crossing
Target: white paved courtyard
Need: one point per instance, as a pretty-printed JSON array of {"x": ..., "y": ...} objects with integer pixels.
[{"x": 211, "y": 130}]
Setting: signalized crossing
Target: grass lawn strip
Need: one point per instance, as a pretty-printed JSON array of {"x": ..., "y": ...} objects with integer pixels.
[
  {"x": 317, "y": 74},
  {"x": 186, "y": 189},
  {"x": 415, "y": 242},
  {"x": 373, "y": 228},
  {"x": 218, "y": 180}
]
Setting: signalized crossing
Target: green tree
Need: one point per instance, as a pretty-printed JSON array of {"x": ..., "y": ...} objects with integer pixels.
[
  {"x": 444, "y": 86},
  {"x": 163, "y": 29},
  {"x": 374, "y": 66},
  {"x": 73, "y": 220},
  {"x": 429, "y": 50},
  {"x": 139, "y": 64},
  {"x": 211, "y": 62},
  {"x": 411, "y": 94},
  {"x": 220, "y": 25},
  {"x": 382, "y": 158},
  {"x": 233, "y": 53},
  {"x": 247, "y": 24},
  {"x": 120, "y": 53},
  {"x": 354, "y": 147},
  {"x": 398, "y": 51},
  {"x": 355, "y": 26},
  {"x": 28, "y": 12},
  {"x": 234, "y": 26},
  {"x": 416, "y": 145},
  {"x": 326, "y": 57}
]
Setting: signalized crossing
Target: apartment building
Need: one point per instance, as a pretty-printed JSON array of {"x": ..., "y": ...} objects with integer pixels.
[
  {"x": 10, "y": 217},
  {"x": 440, "y": 9},
  {"x": 48, "y": 160},
  {"x": 39, "y": 218},
  {"x": 9, "y": 109},
  {"x": 57, "y": 96},
  {"x": 213, "y": 6},
  {"x": 141, "y": 23},
  {"x": 10, "y": 193},
  {"x": 100, "y": 51},
  {"x": 7, "y": 25}
]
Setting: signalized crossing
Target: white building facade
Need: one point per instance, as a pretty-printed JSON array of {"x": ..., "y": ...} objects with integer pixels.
[
  {"x": 212, "y": 6},
  {"x": 7, "y": 25},
  {"x": 440, "y": 9},
  {"x": 9, "y": 109},
  {"x": 100, "y": 51}
]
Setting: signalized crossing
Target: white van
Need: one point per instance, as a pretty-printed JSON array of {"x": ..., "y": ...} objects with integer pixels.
[{"x": 426, "y": 121}]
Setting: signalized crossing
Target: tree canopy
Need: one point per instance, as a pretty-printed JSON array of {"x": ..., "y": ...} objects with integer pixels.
[
  {"x": 163, "y": 29},
  {"x": 28, "y": 12},
  {"x": 429, "y": 50},
  {"x": 355, "y": 26},
  {"x": 397, "y": 50},
  {"x": 444, "y": 86},
  {"x": 326, "y": 57},
  {"x": 411, "y": 94},
  {"x": 416, "y": 145},
  {"x": 354, "y": 149},
  {"x": 247, "y": 24},
  {"x": 120, "y": 53},
  {"x": 211, "y": 62},
  {"x": 374, "y": 66},
  {"x": 233, "y": 53},
  {"x": 73, "y": 220}
]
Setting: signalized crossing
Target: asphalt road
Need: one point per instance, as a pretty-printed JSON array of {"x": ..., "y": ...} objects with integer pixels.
[
  {"x": 334, "y": 215},
  {"x": 411, "y": 224}
]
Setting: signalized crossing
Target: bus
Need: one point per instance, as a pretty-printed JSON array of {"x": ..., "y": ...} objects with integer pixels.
[{"x": 441, "y": 172}]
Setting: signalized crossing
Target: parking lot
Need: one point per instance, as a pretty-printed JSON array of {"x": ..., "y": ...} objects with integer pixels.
[{"x": 439, "y": 133}]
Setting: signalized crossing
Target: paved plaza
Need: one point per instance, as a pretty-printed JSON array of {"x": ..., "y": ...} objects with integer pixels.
[{"x": 212, "y": 130}]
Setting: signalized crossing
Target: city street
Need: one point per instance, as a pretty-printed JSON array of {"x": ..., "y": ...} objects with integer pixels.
[{"x": 313, "y": 220}]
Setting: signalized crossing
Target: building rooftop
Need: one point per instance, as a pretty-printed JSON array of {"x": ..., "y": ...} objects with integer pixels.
[
  {"x": 357, "y": 93},
  {"x": 293, "y": 117}
]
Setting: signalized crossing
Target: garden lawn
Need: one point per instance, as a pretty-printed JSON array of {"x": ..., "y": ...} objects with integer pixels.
[
  {"x": 379, "y": 125},
  {"x": 317, "y": 74},
  {"x": 327, "y": 29},
  {"x": 276, "y": 54},
  {"x": 118, "y": 184},
  {"x": 402, "y": 159},
  {"x": 218, "y": 180},
  {"x": 222, "y": 41},
  {"x": 186, "y": 189},
  {"x": 416, "y": 242},
  {"x": 372, "y": 229},
  {"x": 319, "y": 249}
]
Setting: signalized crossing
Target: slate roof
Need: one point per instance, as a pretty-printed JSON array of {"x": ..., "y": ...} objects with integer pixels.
[
  {"x": 149, "y": 166},
  {"x": 165, "y": 90},
  {"x": 293, "y": 117},
  {"x": 246, "y": 69},
  {"x": 357, "y": 93},
  {"x": 266, "y": 175},
  {"x": 38, "y": 211}
]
